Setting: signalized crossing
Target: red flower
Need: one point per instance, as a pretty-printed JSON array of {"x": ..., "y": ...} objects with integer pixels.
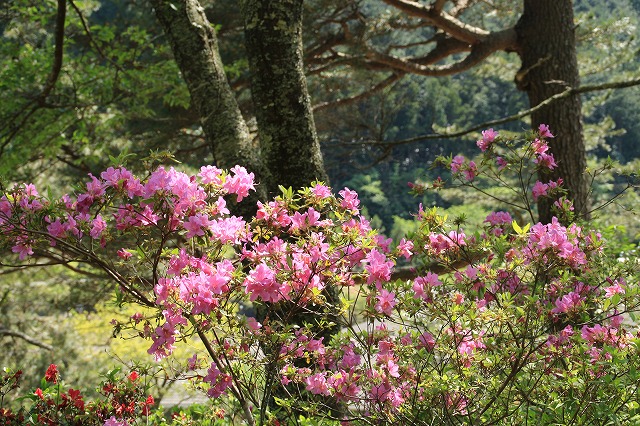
[
  {"x": 51, "y": 375},
  {"x": 39, "y": 394},
  {"x": 77, "y": 399},
  {"x": 133, "y": 376}
]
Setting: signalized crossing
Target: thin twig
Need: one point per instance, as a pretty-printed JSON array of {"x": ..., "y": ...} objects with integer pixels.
[{"x": 524, "y": 113}]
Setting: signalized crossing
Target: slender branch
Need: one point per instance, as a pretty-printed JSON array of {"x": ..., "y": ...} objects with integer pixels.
[
  {"x": 32, "y": 106},
  {"x": 524, "y": 113},
  {"x": 212, "y": 353},
  {"x": 445, "y": 47},
  {"x": 438, "y": 5},
  {"x": 365, "y": 94},
  {"x": 83, "y": 21},
  {"x": 25, "y": 337}
]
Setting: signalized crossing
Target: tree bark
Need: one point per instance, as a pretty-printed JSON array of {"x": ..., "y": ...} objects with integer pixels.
[
  {"x": 549, "y": 66},
  {"x": 195, "y": 49},
  {"x": 286, "y": 129}
]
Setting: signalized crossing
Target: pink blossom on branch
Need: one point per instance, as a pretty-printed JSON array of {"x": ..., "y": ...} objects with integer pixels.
[
  {"x": 488, "y": 136},
  {"x": 544, "y": 132},
  {"x": 378, "y": 267},
  {"x": 240, "y": 183},
  {"x": 386, "y": 302},
  {"x": 457, "y": 163},
  {"x": 546, "y": 161}
]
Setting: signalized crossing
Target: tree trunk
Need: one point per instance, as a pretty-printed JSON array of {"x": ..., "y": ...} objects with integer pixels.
[
  {"x": 288, "y": 140},
  {"x": 289, "y": 145},
  {"x": 549, "y": 66},
  {"x": 195, "y": 48}
]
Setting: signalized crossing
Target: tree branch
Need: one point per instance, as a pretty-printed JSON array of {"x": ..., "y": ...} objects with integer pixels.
[
  {"x": 441, "y": 19},
  {"x": 365, "y": 94},
  {"x": 502, "y": 40},
  {"x": 32, "y": 106},
  {"x": 87, "y": 31},
  {"x": 524, "y": 113},
  {"x": 25, "y": 337}
]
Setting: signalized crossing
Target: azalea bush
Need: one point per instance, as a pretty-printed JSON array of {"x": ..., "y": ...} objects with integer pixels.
[{"x": 300, "y": 313}]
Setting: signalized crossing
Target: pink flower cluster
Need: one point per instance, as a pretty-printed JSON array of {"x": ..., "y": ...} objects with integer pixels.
[
  {"x": 488, "y": 137},
  {"x": 553, "y": 239}
]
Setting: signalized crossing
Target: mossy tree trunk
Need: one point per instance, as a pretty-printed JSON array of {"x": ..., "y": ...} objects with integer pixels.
[
  {"x": 286, "y": 129},
  {"x": 289, "y": 144},
  {"x": 195, "y": 49}
]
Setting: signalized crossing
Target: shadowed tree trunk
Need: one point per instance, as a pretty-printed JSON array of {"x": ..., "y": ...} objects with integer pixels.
[
  {"x": 288, "y": 141},
  {"x": 549, "y": 66}
]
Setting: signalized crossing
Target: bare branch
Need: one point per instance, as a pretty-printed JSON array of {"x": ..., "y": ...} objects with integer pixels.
[
  {"x": 445, "y": 46},
  {"x": 87, "y": 31},
  {"x": 313, "y": 53},
  {"x": 568, "y": 92},
  {"x": 25, "y": 337},
  {"x": 438, "y": 5},
  {"x": 441, "y": 19},
  {"x": 365, "y": 94}
]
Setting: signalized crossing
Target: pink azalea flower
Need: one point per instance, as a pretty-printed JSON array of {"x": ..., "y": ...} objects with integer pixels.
[
  {"x": 567, "y": 303},
  {"x": 124, "y": 254},
  {"x": 378, "y": 267},
  {"x": 471, "y": 172},
  {"x": 321, "y": 191},
  {"x": 261, "y": 283},
  {"x": 350, "y": 358},
  {"x": 544, "y": 132},
  {"x": 540, "y": 146},
  {"x": 350, "y": 200},
  {"x": 546, "y": 160},
  {"x": 98, "y": 226},
  {"x": 23, "y": 249},
  {"x": 404, "y": 248},
  {"x": 113, "y": 421},
  {"x": 196, "y": 225},
  {"x": 210, "y": 175},
  {"x": 317, "y": 384},
  {"x": 498, "y": 218},
  {"x": 488, "y": 136},
  {"x": 427, "y": 341},
  {"x": 539, "y": 190},
  {"x": 456, "y": 163},
  {"x": 240, "y": 183},
  {"x": 616, "y": 288},
  {"x": 386, "y": 302},
  {"x": 501, "y": 163}
]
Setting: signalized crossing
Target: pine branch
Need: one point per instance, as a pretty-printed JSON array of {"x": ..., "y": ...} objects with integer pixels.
[{"x": 441, "y": 20}]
